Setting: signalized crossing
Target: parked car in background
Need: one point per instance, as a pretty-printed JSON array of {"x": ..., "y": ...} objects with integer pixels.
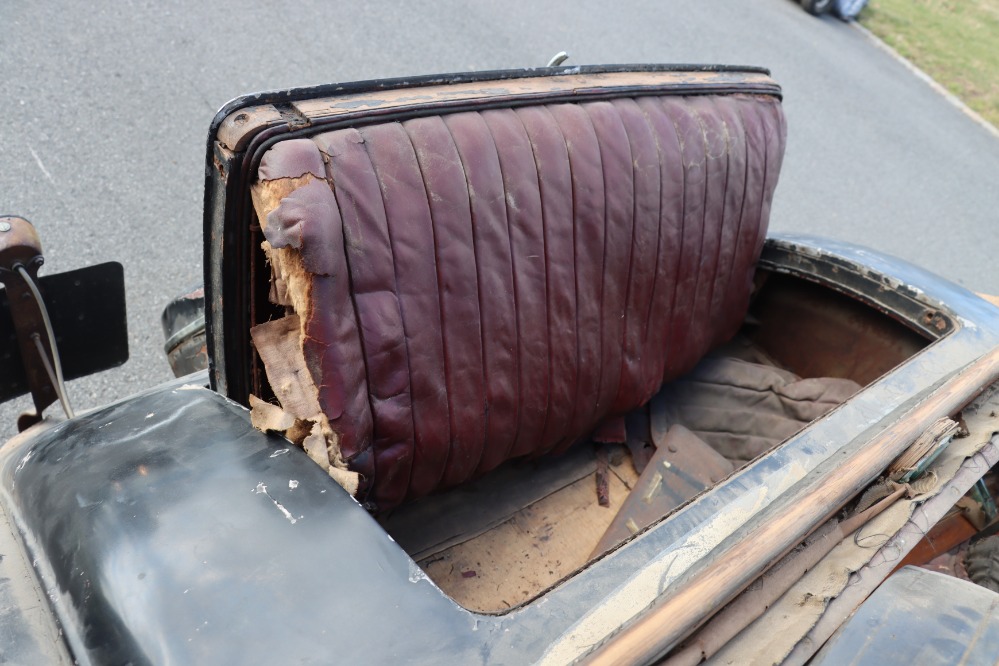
[{"x": 847, "y": 10}]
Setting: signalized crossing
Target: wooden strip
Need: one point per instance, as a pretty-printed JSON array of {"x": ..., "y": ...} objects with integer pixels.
[
  {"x": 521, "y": 558},
  {"x": 430, "y": 525},
  {"x": 242, "y": 124}
]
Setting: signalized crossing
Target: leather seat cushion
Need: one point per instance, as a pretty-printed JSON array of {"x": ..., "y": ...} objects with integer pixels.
[{"x": 494, "y": 284}]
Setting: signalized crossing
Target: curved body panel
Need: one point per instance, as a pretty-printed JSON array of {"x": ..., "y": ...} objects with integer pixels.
[{"x": 167, "y": 530}]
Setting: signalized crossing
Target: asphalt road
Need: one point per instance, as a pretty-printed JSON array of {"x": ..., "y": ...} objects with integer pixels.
[{"x": 106, "y": 106}]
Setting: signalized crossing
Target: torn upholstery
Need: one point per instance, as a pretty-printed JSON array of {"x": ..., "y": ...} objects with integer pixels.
[{"x": 473, "y": 287}]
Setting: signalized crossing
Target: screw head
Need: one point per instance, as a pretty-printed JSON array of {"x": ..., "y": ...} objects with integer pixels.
[{"x": 4, "y": 226}]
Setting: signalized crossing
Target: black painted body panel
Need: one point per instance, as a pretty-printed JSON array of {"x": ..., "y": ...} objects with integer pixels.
[
  {"x": 919, "y": 617},
  {"x": 173, "y": 533},
  {"x": 169, "y": 531}
]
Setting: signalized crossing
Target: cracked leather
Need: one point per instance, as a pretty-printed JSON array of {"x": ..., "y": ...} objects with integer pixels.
[{"x": 498, "y": 283}]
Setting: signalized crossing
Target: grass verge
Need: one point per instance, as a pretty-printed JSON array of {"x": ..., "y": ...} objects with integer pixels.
[{"x": 954, "y": 41}]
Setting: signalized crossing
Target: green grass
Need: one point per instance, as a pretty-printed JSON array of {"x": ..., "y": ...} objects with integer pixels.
[{"x": 954, "y": 41}]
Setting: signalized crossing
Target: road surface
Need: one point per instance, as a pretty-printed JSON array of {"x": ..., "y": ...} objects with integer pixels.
[{"x": 106, "y": 106}]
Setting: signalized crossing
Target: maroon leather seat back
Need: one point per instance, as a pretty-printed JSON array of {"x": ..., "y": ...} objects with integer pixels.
[{"x": 498, "y": 283}]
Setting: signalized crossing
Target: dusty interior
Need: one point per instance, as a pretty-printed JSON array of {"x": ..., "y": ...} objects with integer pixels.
[{"x": 503, "y": 539}]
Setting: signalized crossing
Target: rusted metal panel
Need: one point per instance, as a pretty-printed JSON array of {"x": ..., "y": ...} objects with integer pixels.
[{"x": 681, "y": 467}]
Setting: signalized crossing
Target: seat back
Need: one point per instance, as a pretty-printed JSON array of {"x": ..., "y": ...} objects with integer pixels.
[{"x": 481, "y": 285}]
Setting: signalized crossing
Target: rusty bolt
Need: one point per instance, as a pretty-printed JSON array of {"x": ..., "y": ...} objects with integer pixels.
[{"x": 19, "y": 244}]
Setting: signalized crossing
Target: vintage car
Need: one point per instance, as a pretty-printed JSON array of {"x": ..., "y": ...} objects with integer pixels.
[{"x": 503, "y": 368}]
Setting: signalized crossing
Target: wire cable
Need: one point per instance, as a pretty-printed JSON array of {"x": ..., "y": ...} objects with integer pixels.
[{"x": 60, "y": 386}]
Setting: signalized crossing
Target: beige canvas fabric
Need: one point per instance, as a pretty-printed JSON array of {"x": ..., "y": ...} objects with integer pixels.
[{"x": 743, "y": 408}]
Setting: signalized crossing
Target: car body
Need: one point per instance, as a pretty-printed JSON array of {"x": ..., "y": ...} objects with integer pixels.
[{"x": 165, "y": 528}]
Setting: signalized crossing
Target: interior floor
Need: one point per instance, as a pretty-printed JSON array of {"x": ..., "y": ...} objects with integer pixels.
[{"x": 503, "y": 539}]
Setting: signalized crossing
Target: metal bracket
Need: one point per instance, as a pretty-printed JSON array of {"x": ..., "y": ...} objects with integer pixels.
[{"x": 20, "y": 259}]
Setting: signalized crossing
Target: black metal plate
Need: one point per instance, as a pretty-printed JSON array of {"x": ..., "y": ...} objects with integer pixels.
[{"x": 87, "y": 308}]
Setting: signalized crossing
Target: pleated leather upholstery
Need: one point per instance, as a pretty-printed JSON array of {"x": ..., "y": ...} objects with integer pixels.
[{"x": 497, "y": 284}]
